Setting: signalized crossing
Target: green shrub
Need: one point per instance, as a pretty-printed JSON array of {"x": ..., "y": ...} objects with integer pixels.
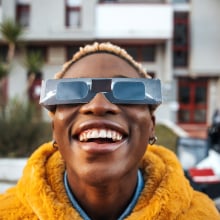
[
  {"x": 166, "y": 137},
  {"x": 21, "y": 130}
]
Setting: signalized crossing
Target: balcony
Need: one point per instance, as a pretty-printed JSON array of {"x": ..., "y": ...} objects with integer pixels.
[{"x": 134, "y": 21}]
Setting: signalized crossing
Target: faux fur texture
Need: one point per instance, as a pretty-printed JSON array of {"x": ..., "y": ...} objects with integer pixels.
[{"x": 40, "y": 192}]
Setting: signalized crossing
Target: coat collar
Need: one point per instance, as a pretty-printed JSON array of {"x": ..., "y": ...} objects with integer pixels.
[{"x": 166, "y": 192}]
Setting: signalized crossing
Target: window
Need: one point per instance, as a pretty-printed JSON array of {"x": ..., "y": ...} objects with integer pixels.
[
  {"x": 181, "y": 40},
  {"x": 149, "y": 53},
  {"x": 73, "y": 13},
  {"x": 133, "y": 51},
  {"x": 180, "y": 58},
  {"x": 180, "y": 35},
  {"x": 145, "y": 53},
  {"x": 192, "y": 100},
  {"x": 23, "y": 13},
  {"x": 3, "y": 53},
  {"x": 71, "y": 50}
]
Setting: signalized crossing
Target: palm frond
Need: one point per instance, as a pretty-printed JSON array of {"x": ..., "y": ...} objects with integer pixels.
[
  {"x": 10, "y": 30},
  {"x": 34, "y": 61}
]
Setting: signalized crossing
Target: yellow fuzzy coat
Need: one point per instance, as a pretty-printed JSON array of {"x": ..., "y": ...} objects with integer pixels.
[{"x": 40, "y": 192}]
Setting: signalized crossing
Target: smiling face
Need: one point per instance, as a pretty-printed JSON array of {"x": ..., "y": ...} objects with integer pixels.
[{"x": 101, "y": 141}]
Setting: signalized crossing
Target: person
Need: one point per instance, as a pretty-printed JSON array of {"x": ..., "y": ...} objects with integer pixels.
[
  {"x": 212, "y": 161},
  {"x": 102, "y": 162},
  {"x": 214, "y": 133}
]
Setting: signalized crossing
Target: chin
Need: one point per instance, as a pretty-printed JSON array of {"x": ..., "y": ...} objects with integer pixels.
[{"x": 97, "y": 176}]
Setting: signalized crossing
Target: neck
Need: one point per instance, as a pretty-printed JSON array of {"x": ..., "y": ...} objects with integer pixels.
[{"x": 105, "y": 200}]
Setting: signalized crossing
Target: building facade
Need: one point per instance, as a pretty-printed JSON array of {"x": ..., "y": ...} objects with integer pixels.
[{"x": 177, "y": 41}]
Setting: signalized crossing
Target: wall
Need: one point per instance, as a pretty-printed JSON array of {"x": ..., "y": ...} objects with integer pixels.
[
  {"x": 140, "y": 21},
  {"x": 205, "y": 37}
]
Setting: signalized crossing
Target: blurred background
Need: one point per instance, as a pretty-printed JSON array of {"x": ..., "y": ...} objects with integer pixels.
[{"x": 177, "y": 41}]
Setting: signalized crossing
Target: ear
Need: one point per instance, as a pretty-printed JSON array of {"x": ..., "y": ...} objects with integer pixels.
[
  {"x": 51, "y": 114},
  {"x": 152, "y": 127},
  {"x": 53, "y": 133}
]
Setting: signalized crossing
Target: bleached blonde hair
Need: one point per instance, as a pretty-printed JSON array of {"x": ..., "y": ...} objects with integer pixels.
[{"x": 105, "y": 47}]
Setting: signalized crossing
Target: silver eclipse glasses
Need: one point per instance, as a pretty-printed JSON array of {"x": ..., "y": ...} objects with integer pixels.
[{"x": 116, "y": 90}]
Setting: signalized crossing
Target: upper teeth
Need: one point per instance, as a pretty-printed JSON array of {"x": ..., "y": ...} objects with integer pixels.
[{"x": 100, "y": 133}]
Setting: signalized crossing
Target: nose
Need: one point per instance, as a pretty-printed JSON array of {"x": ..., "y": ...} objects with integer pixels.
[{"x": 99, "y": 105}]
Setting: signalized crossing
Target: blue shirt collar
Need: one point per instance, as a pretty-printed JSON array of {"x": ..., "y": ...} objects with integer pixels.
[{"x": 127, "y": 211}]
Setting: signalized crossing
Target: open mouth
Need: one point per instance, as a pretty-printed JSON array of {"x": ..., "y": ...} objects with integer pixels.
[{"x": 100, "y": 136}]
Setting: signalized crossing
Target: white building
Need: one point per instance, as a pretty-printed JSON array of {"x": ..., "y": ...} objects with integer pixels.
[{"x": 177, "y": 41}]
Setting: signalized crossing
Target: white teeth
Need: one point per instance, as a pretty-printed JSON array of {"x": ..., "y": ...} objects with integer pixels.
[
  {"x": 114, "y": 136},
  {"x": 83, "y": 137},
  {"x": 100, "y": 133},
  {"x": 109, "y": 134},
  {"x": 93, "y": 134},
  {"x": 119, "y": 137}
]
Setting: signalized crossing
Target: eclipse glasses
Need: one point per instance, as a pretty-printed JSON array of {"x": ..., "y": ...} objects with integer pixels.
[{"x": 116, "y": 90}]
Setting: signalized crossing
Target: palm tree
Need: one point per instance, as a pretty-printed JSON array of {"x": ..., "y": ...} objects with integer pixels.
[
  {"x": 3, "y": 73},
  {"x": 11, "y": 32},
  {"x": 34, "y": 63}
]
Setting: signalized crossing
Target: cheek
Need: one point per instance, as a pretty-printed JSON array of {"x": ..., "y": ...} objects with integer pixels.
[
  {"x": 141, "y": 129},
  {"x": 61, "y": 134},
  {"x": 59, "y": 121},
  {"x": 142, "y": 122},
  {"x": 141, "y": 114},
  {"x": 61, "y": 124},
  {"x": 65, "y": 114}
]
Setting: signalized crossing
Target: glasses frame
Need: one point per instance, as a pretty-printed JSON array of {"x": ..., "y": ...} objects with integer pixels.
[{"x": 51, "y": 91}]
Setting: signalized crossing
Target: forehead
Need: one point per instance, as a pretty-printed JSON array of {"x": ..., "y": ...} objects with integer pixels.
[{"x": 101, "y": 65}]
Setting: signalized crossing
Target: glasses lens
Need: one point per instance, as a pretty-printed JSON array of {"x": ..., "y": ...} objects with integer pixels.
[
  {"x": 71, "y": 90},
  {"x": 129, "y": 91}
]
